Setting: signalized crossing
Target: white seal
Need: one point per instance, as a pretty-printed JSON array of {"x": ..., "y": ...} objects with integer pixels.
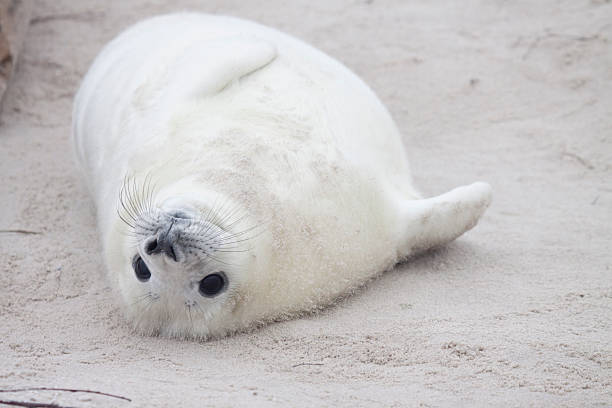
[{"x": 242, "y": 176}]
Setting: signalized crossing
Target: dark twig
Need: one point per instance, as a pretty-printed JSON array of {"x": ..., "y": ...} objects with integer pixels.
[
  {"x": 32, "y": 404},
  {"x": 67, "y": 390},
  {"x": 20, "y": 231},
  {"x": 579, "y": 159},
  {"x": 306, "y": 364},
  {"x": 75, "y": 17}
]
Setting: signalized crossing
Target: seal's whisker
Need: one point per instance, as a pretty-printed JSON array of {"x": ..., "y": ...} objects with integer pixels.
[
  {"x": 135, "y": 197},
  {"x": 144, "y": 226},
  {"x": 122, "y": 201},
  {"x": 209, "y": 219},
  {"x": 124, "y": 195},
  {"x": 216, "y": 214},
  {"x": 240, "y": 233},
  {"x": 127, "y": 200},
  {"x": 152, "y": 188},
  {"x": 230, "y": 225},
  {"x": 147, "y": 307},
  {"x": 142, "y": 298},
  {"x": 137, "y": 189},
  {"x": 220, "y": 234},
  {"x": 212, "y": 210},
  {"x": 199, "y": 309},
  {"x": 220, "y": 237},
  {"x": 227, "y": 245},
  {"x": 132, "y": 235},
  {"x": 127, "y": 219},
  {"x": 239, "y": 237},
  {"x": 144, "y": 193},
  {"x": 189, "y": 314},
  {"x": 124, "y": 220},
  {"x": 214, "y": 258},
  {"x": 152, "y": 298},
  {"x": 224, "y": 219},
  {"x": 230, "y": 251},
  {"x": 208, "y": 255},
  {"x": 232, "y": 240},
  {"x": 135, "y": 206},
  {"x": 224, "y": 246},
  {"x": 223, "y": 215}
]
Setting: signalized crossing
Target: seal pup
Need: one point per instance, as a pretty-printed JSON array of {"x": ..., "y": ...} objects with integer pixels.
[{"x": 242, "y": 176}]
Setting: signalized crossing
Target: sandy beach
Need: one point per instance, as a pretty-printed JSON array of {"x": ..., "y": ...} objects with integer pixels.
[{"x": 517, "y": 312}]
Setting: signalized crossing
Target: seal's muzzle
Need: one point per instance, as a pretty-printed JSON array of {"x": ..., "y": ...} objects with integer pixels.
[{"x": 167, "y": 237}]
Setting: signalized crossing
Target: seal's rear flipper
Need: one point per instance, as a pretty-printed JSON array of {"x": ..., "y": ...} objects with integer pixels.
[
  {"x": 204, "y": 69},
  {"x": 435, "y": 221}
]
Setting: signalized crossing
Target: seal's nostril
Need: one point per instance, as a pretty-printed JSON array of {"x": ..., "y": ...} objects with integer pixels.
[
  {"x": 163, "y": 243},
  {"x": 151, "y": 247},
  {"x": 169, "y": 250}
]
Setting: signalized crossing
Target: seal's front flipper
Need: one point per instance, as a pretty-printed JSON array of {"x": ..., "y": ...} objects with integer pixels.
[
  {"x": 435, "y": 221},
  {"x": 205, "y": 69}
]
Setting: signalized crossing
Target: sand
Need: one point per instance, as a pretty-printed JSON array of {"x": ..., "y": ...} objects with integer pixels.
[{"x": 517, "y": 312}]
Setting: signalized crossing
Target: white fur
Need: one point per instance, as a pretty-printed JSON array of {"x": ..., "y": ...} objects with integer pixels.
[{"x": 217, "y": 109}]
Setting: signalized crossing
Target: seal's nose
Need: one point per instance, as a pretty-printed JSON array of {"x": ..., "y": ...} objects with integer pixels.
[
  {"x": 164, "y": 242},
  {"x": 173, "y": 223}
]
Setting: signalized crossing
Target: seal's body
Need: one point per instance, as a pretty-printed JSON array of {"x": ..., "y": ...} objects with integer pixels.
[{"x": 241, "y": 175}]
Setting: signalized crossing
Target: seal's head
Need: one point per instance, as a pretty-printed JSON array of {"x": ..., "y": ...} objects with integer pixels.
[{"x": 184, "y": 261}]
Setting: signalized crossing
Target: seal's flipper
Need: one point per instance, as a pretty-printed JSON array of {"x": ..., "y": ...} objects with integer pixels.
[
  {"x": 205, "y": 69},
  {"x": 435, "y": 221}
]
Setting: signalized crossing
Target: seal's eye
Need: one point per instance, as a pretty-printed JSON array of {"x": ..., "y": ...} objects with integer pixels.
[
  {"x": 141, "y": 269},
  {"x": 212, "y": 284}
]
